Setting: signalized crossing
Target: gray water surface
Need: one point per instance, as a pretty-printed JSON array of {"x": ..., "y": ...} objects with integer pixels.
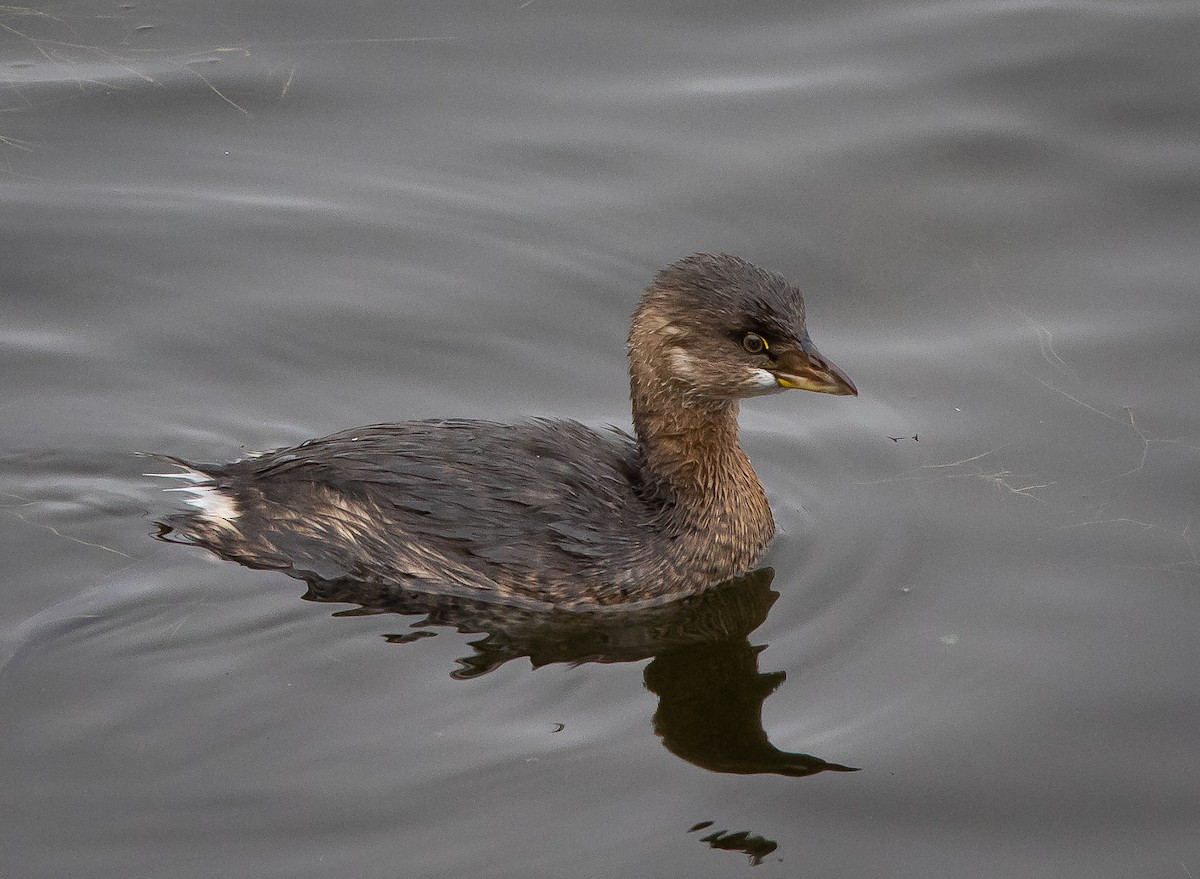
[{"x": 230, "y": 226}]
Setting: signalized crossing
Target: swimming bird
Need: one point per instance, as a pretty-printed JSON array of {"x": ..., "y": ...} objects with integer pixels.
[{"x": 545, "y": 513}]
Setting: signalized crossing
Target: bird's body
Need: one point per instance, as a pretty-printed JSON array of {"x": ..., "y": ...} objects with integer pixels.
[{"x": 545, "y": 513}]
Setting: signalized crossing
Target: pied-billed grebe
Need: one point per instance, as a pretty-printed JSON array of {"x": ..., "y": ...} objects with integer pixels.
[{"x": 546, "y": 513}]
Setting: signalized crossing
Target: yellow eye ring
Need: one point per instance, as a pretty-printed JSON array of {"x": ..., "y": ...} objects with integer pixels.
[{"x": 754, "y": 343}]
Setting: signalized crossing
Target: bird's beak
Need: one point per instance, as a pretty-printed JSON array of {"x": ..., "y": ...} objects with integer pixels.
[{"x": 805, "y": 369}]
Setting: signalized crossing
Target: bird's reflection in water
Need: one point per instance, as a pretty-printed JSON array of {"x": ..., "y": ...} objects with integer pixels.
[{"x": 703, "y": 668}]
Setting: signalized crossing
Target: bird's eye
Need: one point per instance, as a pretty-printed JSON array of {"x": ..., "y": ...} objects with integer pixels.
[{"x": 754, "y": 343}]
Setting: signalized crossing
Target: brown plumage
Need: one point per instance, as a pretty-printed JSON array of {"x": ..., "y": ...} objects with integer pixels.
[{"x": 545, "y": 513}]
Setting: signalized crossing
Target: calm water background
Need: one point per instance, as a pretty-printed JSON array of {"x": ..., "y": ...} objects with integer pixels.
[{"x": 234, "y": 226}]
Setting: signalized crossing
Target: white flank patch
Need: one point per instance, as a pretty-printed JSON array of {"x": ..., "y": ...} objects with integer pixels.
[{"x": 207, "y": 498}]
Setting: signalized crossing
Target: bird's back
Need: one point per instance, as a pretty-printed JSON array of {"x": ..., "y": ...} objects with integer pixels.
[{"x": 543, "y": 511}]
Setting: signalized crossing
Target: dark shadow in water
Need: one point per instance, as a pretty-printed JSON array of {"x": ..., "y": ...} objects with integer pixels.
[{"x": 703, "y": 668}]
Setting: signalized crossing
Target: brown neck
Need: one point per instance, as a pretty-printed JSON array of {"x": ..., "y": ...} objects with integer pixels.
[
  {"x": 690, "y": 445},
  {"x": 714, "y": 511}
]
